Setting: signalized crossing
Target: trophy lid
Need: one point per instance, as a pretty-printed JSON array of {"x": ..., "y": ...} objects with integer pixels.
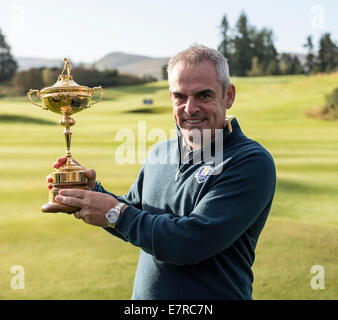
[{"x": 65, "y": 82}]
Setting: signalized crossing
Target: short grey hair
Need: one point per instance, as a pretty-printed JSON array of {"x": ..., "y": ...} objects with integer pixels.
[{"x": 195, "y": 54}]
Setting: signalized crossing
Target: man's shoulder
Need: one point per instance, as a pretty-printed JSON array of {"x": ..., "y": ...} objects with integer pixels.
[
  {"x": 247, "y": 155},
  {"x": 249, "y": 163},
  {"x": 248, "y": 148}
]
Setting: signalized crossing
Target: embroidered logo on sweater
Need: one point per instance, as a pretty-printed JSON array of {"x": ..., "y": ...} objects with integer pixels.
[{"x": 203, "y": 173}]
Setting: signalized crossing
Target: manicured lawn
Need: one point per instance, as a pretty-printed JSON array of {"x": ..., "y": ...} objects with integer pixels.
[{"x": 65, "y": 258}]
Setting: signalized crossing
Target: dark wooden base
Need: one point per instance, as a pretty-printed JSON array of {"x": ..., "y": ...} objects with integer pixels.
[{"x": 53, "y": 207}]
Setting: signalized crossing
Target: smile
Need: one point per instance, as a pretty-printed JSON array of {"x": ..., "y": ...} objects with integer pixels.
[{"x": 194, "y": 121}]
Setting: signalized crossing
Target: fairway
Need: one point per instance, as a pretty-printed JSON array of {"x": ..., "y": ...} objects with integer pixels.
[{"x": 64, "y": 258}]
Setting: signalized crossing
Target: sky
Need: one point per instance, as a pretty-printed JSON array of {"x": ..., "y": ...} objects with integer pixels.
[{"x": 85, "y": 31}]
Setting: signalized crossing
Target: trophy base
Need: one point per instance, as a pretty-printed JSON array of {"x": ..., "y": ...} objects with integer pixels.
[
  {"x": 70, "y": 176},
  {"x": 54, "y": 207}
]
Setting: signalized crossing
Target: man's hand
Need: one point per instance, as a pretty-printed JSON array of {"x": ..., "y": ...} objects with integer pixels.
[
  {"x": 93, "y": 205},
  {"x": 90, "y": 174}
]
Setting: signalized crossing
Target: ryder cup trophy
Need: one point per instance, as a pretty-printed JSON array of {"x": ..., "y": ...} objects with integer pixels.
[{"x": 65, "y": 97}]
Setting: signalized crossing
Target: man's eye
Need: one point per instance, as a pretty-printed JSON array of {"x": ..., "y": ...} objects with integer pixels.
[
  {"x": 179, "y": 98},
  {"x": 205, "y": 96}
]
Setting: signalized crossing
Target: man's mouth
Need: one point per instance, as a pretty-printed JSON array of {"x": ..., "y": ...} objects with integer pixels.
[{"x": 194, "y": 121}]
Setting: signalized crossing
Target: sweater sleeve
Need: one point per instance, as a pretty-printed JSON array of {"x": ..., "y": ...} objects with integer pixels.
[
  {"x": 235, "y": 200},
  {"x": 133, "y": 197}
]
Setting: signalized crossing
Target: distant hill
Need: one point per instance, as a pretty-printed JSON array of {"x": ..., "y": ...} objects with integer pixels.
[
  {"x": 125, "y": 63},
  {"x": 28, "y": 63},
  {"x": 138, "y": 65},
  {"x": 131, "y": 64}
]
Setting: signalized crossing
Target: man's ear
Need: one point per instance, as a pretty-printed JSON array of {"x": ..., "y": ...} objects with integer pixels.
[{"x": 230, "y": 94}]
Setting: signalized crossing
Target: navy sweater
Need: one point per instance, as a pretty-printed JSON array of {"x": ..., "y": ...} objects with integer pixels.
[{"x": 198, "y": 230}]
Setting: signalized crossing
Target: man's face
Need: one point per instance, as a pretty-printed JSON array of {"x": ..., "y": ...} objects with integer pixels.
[{"x": 198, "y": 99}]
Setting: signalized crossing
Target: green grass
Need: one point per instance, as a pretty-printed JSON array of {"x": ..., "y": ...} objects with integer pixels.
[{"x": 65, "y": 258}]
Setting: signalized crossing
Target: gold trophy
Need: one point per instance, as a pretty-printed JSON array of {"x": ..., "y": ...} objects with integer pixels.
[{"x": 66, "y": 97}]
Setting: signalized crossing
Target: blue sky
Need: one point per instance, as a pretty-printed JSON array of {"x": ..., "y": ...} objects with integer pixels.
[{"x": 87, "y": 30}]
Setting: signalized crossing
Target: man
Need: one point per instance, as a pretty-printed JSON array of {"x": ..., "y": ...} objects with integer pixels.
[{"x": 197, "y": 221}]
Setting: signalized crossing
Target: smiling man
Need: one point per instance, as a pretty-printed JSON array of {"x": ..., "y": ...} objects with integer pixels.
[
  {"x": 197, "y": 221},
  {"x": 200, "y": 96}
]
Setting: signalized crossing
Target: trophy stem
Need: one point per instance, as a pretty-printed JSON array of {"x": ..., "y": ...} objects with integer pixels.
[
  {"x": 67, "y": 122},
  {"x": 68, "y": 137}
]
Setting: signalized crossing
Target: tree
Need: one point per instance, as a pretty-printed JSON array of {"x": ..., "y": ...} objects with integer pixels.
[
  {"x": 327, "y": 54},
  {"x": 286, "y": 63},
  {"x": 310, "y": 57},
  {"x": 332, "y": 100},
  {"x": 225, "y": 47},
  {"x": 164, "y": 71},
  {"x": 8, "y": 65},
  {"x": 296, "y": 66},
  {"x": 49, "y": 76},
  {"x": 243, "y": 47},
  {"x": 265, "y": 50},
  {"x": 256, "y": 68},
  {"x": 273, "y": 67},
  {"x": 249, "y": 52},
  {"x": 25, "y": 80},
  {"x": 149, "y": 78},
  {"x": 290, "y": 64}
]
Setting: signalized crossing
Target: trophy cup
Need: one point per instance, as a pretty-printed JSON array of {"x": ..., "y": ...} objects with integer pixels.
[{"x": 65, "y": 97}]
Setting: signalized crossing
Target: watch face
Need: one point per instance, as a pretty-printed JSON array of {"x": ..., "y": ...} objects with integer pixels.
[{"x": 112, "y": 217}]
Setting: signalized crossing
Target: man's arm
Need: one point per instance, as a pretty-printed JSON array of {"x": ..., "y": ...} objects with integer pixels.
[
  {"x": 235, "y": 201},
  {"x": 133, "y": 197}
]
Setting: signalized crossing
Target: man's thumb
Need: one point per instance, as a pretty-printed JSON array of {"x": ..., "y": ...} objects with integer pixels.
[{"x": 90, "y": 174}]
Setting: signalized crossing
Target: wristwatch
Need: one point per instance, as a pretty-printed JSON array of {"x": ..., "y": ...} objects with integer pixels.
[{"x": 113, "y": 215}]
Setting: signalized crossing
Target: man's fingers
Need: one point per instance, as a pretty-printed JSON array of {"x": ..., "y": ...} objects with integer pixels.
[
  {"x": 56, "y": 165},
  {"x": 74, "y": 202},
  {"x": 90, "y": 174},
  {"x": 60, "y": 162},
  {"x": 74, "y": 193},
  {"x": 77, "y": 215},
  {"x": 49, "y": 179}
]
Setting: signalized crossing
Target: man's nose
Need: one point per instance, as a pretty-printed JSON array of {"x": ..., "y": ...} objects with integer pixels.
[{"x": 191, "y": 106}]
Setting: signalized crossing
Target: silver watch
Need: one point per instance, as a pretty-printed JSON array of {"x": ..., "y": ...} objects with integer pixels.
[{"x": 113, "y": 215}]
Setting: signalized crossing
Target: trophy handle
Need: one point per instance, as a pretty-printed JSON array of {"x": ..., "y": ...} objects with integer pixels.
[
  {"x": 99, "y": 99},
  {"x": 31, "y": 91}
]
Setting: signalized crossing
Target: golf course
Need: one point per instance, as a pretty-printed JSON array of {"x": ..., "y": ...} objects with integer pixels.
[{"x": 65, "y": 258}]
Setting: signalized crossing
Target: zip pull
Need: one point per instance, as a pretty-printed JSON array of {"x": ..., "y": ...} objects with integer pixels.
[
  {"x": 176, "y": 176},
  {"x": 178, "y": 171}
]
